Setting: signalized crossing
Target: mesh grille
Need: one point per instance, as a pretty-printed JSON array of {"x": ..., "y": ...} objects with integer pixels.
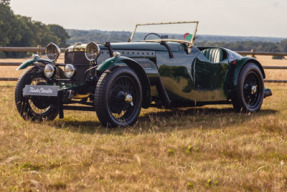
[
  {"x": 79, "y": 60},
  {"x": 76, "y": 58}
]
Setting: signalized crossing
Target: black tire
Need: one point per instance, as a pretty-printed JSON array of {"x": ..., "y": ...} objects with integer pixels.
[
  {"x": 249, "y": 93},
  {"x": 118, "y": 97},
  {"x": 34, "y": 107}
]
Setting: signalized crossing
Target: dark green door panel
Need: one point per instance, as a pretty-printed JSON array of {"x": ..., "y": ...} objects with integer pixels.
[
  {"x": 191, "y": 77},
  {"x": 209, "y": 76},
  {"x": 175, "y": 73},
  {"x": 210, "y": 80}
]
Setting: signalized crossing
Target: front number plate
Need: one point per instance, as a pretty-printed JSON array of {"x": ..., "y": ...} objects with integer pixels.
[{"x": 41, "y": 90}]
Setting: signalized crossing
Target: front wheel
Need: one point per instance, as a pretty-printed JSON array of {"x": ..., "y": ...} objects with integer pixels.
[
  {"x": 118, "y": 97},
  {"x": 249, "y": 93},
  {"x": 34, "y": 107}
]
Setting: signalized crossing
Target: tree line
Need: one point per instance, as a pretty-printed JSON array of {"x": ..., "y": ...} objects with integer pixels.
[
  {"x": 248, "y": 45},
  {"x": 21, "y": 31}
]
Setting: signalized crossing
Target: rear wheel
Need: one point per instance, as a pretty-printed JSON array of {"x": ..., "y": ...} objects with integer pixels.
[
  {"x": 118, "y": 97},
  {"x": 249, "y": 93},
  {"x": 34, "y": 107}
]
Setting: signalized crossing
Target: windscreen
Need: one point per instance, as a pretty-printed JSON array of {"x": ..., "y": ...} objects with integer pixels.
[{"x": 176, "y": 31}]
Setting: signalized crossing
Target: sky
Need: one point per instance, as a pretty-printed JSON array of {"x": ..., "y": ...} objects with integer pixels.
[{"x": 267, "y": 18}]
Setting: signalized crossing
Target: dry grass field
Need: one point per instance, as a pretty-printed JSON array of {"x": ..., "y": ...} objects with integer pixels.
[{"x": 209, "y": 148}]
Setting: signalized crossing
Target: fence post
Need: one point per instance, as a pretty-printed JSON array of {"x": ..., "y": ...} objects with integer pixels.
[
  {"x": 252, "y": 53},
  {"x": 39, "y": 50}
]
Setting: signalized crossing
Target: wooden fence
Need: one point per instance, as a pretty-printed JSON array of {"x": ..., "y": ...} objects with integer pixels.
[{"x": 39, "y": 50}]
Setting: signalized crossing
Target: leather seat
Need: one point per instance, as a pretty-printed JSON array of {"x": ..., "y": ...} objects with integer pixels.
[{"x": 215, "y": 55}]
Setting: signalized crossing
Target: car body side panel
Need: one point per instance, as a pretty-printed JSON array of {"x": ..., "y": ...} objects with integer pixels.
[
  {"x": 148, "y": 46},
  {"x": 192, "y": 78},
  {"x": 210, "y": 78},
  {"x": 188, "y": 77}
]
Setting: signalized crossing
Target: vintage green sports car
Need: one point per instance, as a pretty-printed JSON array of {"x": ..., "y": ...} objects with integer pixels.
[{"x": 158, "y": 67}]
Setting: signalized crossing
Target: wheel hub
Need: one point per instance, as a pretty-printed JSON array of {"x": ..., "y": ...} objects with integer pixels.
[
  {"x": 254, "y": 89},
  {"x": 129, "y": 99}
]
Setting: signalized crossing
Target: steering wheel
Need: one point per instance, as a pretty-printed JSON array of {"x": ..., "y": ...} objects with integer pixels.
[{"x": 151, "y": 34}]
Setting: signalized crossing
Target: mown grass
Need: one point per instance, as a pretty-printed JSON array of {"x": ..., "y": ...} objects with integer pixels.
[
  {"x": 201, "y": 149},
  {"x": 209, "y": 148}
]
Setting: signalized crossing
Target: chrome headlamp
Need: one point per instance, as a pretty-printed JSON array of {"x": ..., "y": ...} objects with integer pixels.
[
  {"x": 92, "y": 51},
  {"x": 69, "y": 70},
  {"x": 52, "y": 51},
  {"x": 49, "y": 71}
]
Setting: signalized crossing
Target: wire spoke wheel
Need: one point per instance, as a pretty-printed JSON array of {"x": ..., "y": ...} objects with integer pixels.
[
  {"x": 249, "y": 94},
  {"x": 34, "y": 107},
  {"x": 118, "y": 97},
  {"x": 122, "y": 98},
  {"x": 250, "y": 89}
]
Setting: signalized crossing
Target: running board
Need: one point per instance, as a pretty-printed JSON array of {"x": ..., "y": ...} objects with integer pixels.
[{"x": 78, "y": 108}]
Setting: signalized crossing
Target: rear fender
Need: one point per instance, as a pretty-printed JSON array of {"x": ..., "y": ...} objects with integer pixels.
[
  {"x": 33, "y": 61},
  {"x": 239, "y": 66},
  {"x": 121, "y": 60}
]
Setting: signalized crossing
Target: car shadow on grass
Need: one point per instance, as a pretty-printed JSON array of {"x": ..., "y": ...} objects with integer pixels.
[
  {"x": 168, "y": 120},
  {"x": 192, "y": 118}
]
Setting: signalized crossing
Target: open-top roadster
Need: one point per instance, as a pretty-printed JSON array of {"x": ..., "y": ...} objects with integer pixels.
[{"x": 159, "y": 67}]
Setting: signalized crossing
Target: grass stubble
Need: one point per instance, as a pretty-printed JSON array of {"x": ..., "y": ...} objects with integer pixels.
[{"x": 209, "y": 148}]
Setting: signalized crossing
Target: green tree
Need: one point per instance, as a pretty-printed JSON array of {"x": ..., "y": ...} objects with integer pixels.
[
  {"x": 283, "y": 45},
  {"x": 7, "y": 23},
  {"x": 5, "y": 2},
  {"x": 21, "y": 31},
  {"x": 61, "y": 33}
]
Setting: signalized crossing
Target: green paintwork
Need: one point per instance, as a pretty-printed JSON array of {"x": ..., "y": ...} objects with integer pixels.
[
  {"x": 190, "y": 77},
  {"x": 26, "y": 64},
  {"x": 70, "y": 86},
  {"x": 171, "y": 73},
  {"x": 145, "y": 46},
  {"x": 240, "y": 64},
  {"x": 130, "y": 46},
  {"x": 146, "y": 64},
  {"x": 107, "y": 64},
  {"x": 137, "y": 67},
  {"x": 32, "y": 61}
]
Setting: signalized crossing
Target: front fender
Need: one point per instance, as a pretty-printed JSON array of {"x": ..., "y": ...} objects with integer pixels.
[
  {"x": 118, "y": 60},
  {"x": 240, "y": 64},
  {"x": 32, "y": 61},
  {"x": 111, "y": 62}
]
